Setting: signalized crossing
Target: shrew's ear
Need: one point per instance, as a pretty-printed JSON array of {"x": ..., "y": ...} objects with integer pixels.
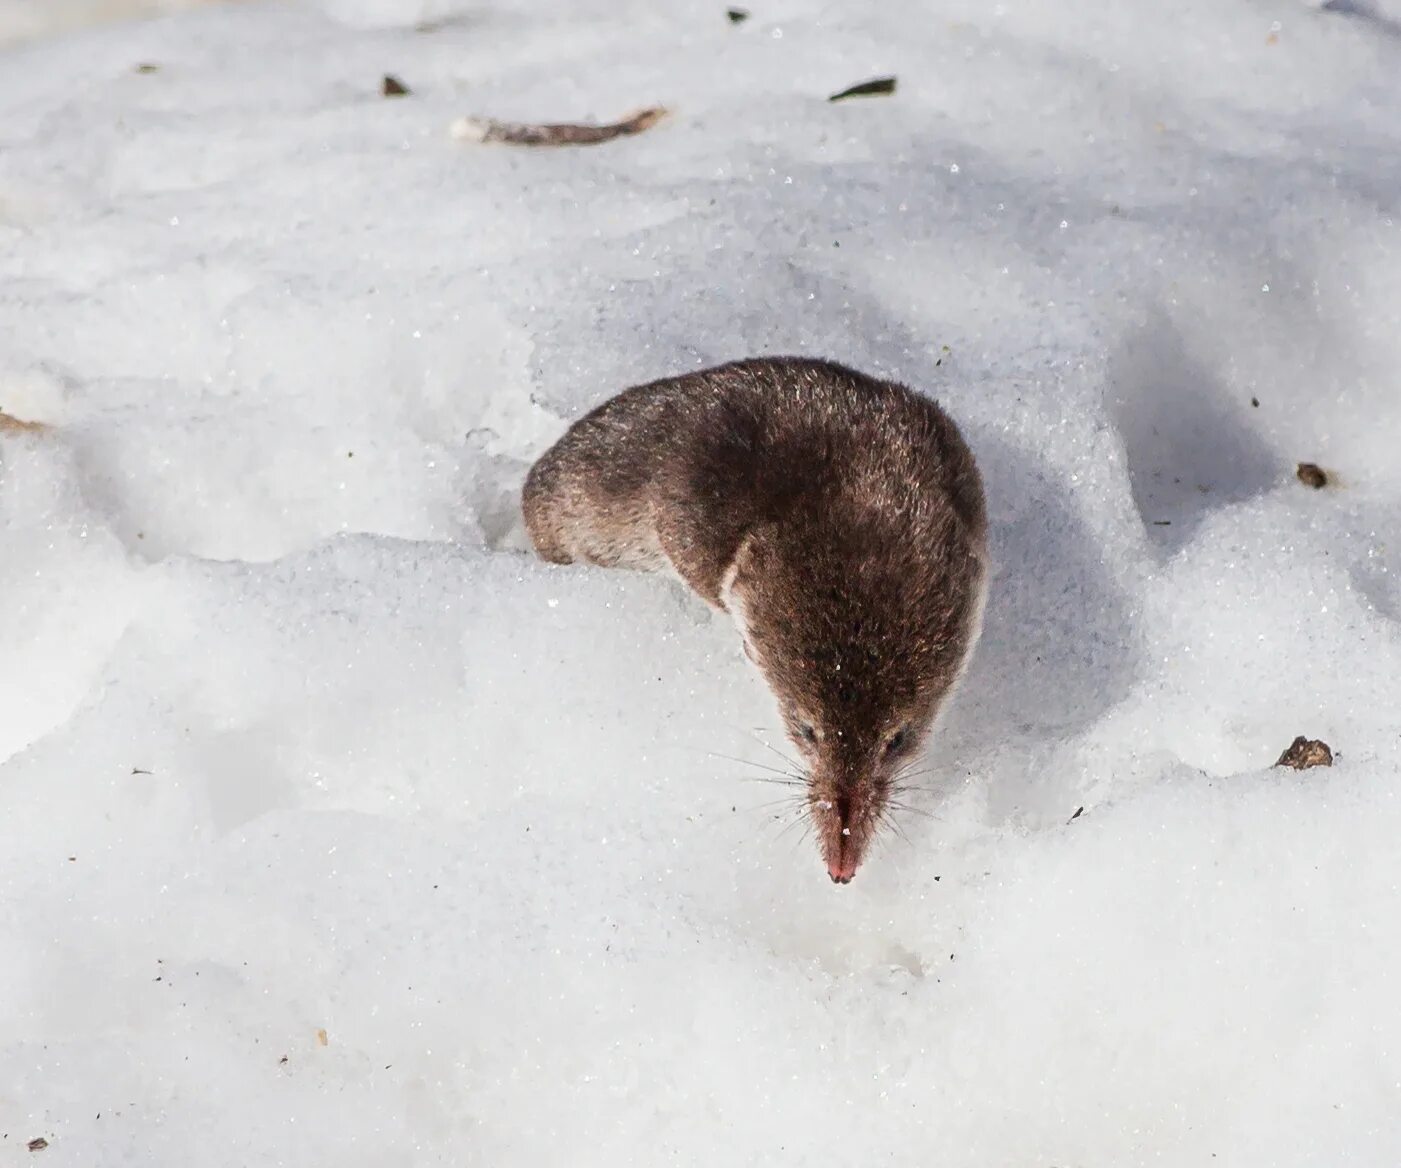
[
  {"x": 731, "y": 600},
  {"x": 741, "y": 562},
  {"x": 746, "y": 548}
]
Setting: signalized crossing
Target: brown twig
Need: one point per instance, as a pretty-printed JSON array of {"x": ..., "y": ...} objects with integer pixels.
[
  {"x": 13, "y": 425},
  {"x": 554, "y": 134}
]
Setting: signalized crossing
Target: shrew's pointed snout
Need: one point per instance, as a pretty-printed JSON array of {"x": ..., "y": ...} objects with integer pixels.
[{"x": 840, "y": 846}]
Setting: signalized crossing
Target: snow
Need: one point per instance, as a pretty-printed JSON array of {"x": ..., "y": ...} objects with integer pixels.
[
  {"x": 336, "y": 830},
  {"x": 25, "y": 20}
]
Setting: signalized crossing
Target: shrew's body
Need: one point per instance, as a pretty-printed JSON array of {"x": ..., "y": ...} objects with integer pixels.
[{"x": 838, "y": 518}]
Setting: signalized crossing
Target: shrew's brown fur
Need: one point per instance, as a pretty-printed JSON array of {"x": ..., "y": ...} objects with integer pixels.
[{"x": 838, "y": 518}]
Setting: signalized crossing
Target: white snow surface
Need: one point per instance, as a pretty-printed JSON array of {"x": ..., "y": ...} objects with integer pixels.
[
  {"x": 336, "y": 830},
  {"x": 24, "y": 20}
]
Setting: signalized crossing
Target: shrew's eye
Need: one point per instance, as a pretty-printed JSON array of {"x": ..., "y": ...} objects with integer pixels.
[
  {"x": 897, "y": 741},
  {"x": 807, "y": 733}
]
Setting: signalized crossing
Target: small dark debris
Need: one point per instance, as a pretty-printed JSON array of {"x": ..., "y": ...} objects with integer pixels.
[
  {"x": 72, "y": 859},
  {"x": 937, "y": 879},
  {"x": 873, "y": 88},
  {"x": 139, "y": 771},
  {"x": 737, "y": 15},
  {"x": 38, "y": 1145},
  {"x": 1255, "y": 401},
  {"x": 1306, "y": 752},
  {"x": 391, "y": 86},
  {"x": 1162, "y": 523},
  {"x": 1079, "y": 811},
  {"x": 1312, "y": 475},
  {"x": 148, "y": 67},
  {"x": 282, "y": 1060}
]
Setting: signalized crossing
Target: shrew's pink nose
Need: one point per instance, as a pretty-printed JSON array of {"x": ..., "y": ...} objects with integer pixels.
[{"x": 841, "y": 871}]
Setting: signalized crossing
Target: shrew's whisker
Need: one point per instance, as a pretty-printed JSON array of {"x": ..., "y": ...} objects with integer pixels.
[
  {"x": 748, "y": 762},
  {"x": 792, "y": 781},
  {"x": 908, "y": 810},
  {"x": 767, "y": 745},
  {"x": 790, "y": 802},
  {"x": 896, "y": 827},
  {"x": 800, "y": 818}
]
